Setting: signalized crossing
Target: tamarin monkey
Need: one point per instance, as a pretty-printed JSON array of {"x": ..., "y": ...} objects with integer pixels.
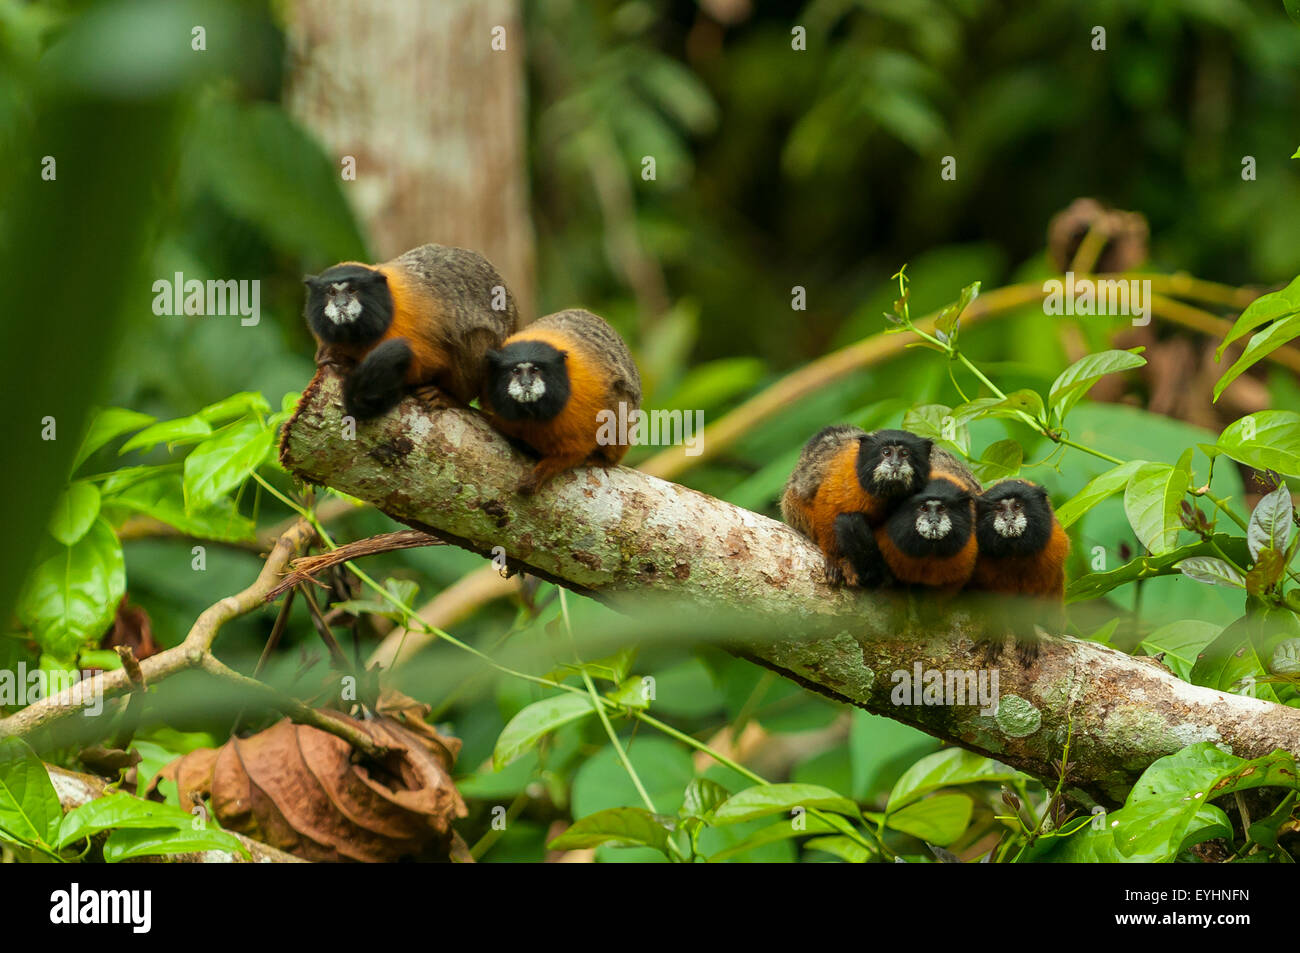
[
  {"x": 548, "y": 384},
  {"x": 929, "y": 540},
  {"x": 845, "y": 470},
  {"x": 427, "y": 317},
  {"x": 1022, "y": 551}
]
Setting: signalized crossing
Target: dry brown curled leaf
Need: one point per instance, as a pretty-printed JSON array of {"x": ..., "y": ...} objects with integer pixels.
[{"x": 300, "y": 789}]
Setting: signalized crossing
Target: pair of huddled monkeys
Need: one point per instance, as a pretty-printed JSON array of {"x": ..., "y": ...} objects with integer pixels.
[
  {"x": 890, "y": 507},
  {"x": 442, "y": 317},
  {"x": 884, "y": 507}
]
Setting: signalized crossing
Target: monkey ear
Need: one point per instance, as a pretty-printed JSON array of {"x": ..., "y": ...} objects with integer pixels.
[
  {"x": 311, "y": 281},
  {"x": 375, "y": 278}
]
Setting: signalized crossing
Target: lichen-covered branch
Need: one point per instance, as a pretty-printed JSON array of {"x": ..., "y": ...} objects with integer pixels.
[{"x": 634, "y": 541}]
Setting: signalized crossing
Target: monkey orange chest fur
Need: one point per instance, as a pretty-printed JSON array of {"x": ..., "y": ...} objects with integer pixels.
[
  {"x": 1038, "y": 574},
  {"x": 415, "y": 319},
  {"x": 841, "y": 492},
  {"x": 940, "y": 572},
  {"x": 572, "y": 432}
]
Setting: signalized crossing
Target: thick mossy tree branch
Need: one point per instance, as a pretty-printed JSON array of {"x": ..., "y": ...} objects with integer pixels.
[{"x": 634, "y": 541}]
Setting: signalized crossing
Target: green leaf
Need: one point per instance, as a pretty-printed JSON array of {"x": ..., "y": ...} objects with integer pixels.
[
  {"x": 1181, "y": 642},
  {"x": 1096, "y": 584},
  {"x": 845, "y": 848},
  {"x": 1293, "y": 11},
  {"x": 1270, "y": 522},
  {"x": 618, "y": 827},
  {"x": 534, "y": 722},
  {"x": 104, "y": 426},
  {"x": 72, "y": 597},
  {"x": 1233, "y": 663},
  {"x": 171, "y": 432},
  {"x": 631, "y": 693},
  {"x": 126, "y": 843},
  {"x": 946, "y": 768},
  {"x": 74, "y": 512},
  {"x": 120, "y": 810},
  {"x": 939, "y": 820},
  {"x": 1151, "y": 503},
  {"x": 1269, "y": 307},
  {"x": 1261, "y": 345},
  {"x": 162, "y": 496},
  {"x": 245, "y": 403},
  {"x": 999, "y": 461},
  {"x": 1212, "y": 571},
  {"x": 1077, "y": 379},
  {"x": 1015, "y": 403},
  {"x": 936, "y": 422},
  {"x": 764, "y": 799},
  {"x": 1096, "y": 490},
  {"x": 702, "y": 797},
  {"x": 224, "y": 461},
  {"x": 781, "y": 830},
  {"x": 29, "y": 807},
  {"x": 1268, "y": 440}
]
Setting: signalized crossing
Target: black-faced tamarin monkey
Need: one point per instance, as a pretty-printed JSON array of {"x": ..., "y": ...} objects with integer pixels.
[
  {"x": 929, "y": 538},
  {"x": 557, "y": 387},
  {"x": 428, "y": 317},
  {"x": 1022, "y": 552},
  {"x": 844, "y": 470}
]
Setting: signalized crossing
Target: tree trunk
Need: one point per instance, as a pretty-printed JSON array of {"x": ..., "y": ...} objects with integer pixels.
[{"x": 433, "y": 116}]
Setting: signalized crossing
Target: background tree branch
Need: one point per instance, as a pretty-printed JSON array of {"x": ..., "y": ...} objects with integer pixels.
[{"x": 631, "y": 540}]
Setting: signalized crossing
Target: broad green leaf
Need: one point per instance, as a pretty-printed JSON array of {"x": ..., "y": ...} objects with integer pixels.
[
  {"x": 1232, "y": 662},
  {"x": 1095, "y": 584},
  {"x": 1261, "y": 345},
  {"x": 1016, "y": 403},
  {"x": 936, "y": 422},
  {"x": 224, "y": 461},
  {"x": 104, "y": 426},
  {"x": 1269, "y": 307},
  {"x": 781, "y": 830},
  {"x": 845, "y": 848},
  {"x": 617, "y": 826},
  {"x": 702, "y": 797},
  {"x": 1268, "y": 440},
  {"x": 161, "y": 495},
  {"x": 171, "y": 432},
  {"x": 946, "y": 768},
  {"x": 1181, "y": 642},
  {"x": 125, "y": 843},
  {"x": 940, "y": 819},
  {"x": 999, "y": 461},
  {"x": 1211, "y": 570},
  {"x": 29, "y": 807},
  {"x": 244, "y": 403},
  {"x": 1270, "y": 522},
  {"x": 534, "y": 722},
  {"x": 1077, "y": 379},
  {"x": 1151, "y": 503},
  {"x": 119, "y": 810},
  {"x": 764, "y": 799},
  {"x": 632, "y": 693},
  {"x": 72, "y": 597},
  {"x": 74, "y": 512},
  {"x": 1096, "y": 490}
]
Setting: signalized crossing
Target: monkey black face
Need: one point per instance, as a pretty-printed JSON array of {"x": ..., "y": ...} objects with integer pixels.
[
  {"x": 935, "y": 522},
  {"x": 893, "y": 463},
  {"x": 528, "y": 380},
  {"x": 348, "y": 304},
  {"x": 1013, "y": 518}
]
